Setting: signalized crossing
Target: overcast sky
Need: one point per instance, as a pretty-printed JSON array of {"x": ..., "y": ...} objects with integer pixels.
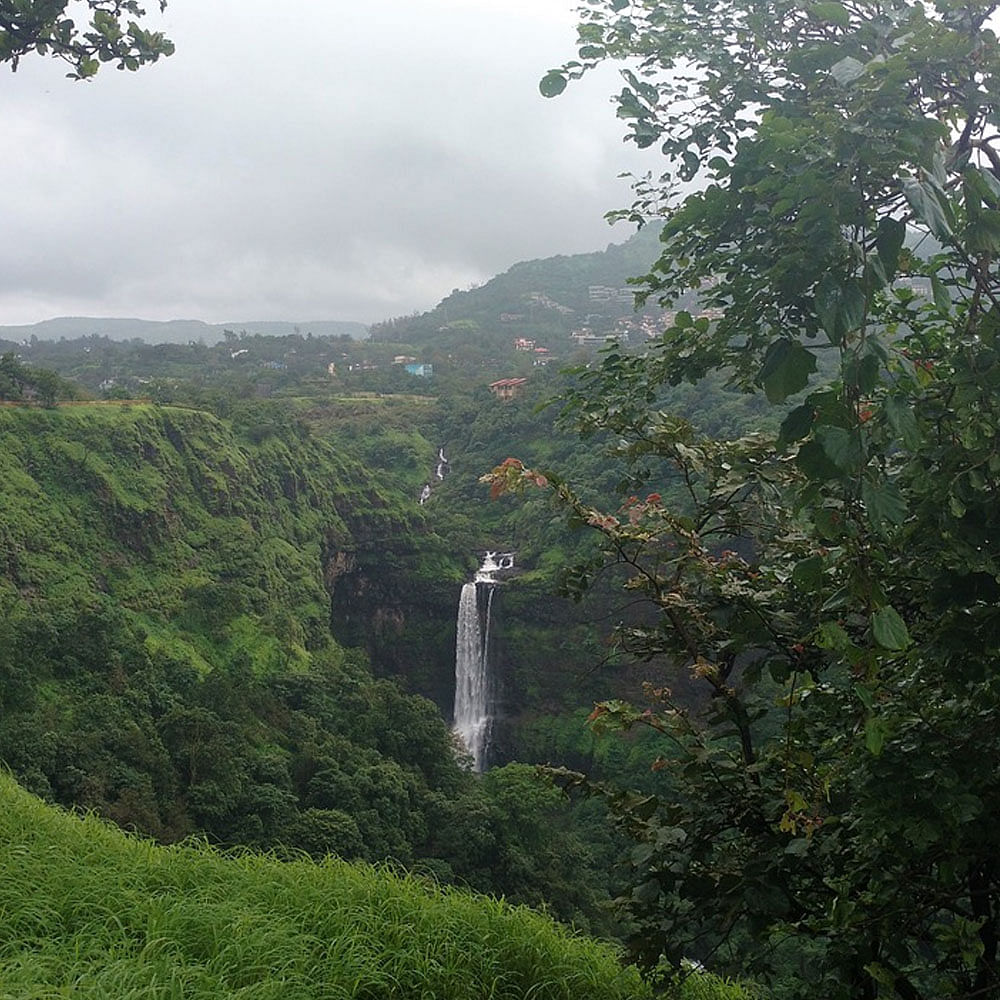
[{"x": 304, "y": 160}]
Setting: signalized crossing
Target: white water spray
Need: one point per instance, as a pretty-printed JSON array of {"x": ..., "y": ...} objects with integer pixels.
[
  {"x": 442, "y": 464},
  {"x": 474, "y": 695}
]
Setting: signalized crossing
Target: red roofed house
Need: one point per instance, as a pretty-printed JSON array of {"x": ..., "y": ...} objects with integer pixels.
[{"x": 507, "y": 388}]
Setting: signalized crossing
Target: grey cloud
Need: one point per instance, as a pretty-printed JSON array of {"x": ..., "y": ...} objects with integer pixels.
[{"x": 313, "y": 160}]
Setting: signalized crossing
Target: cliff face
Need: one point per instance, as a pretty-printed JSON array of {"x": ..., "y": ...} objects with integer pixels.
[
  {"x": 165, "y": 510},
  {"x": 165, "y": 611},
  {"x": 397, "y": 600}
]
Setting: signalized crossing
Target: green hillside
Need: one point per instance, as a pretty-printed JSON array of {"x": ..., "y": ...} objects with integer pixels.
[
  {"x": 544, "y": 298},
  {"x": 177, "y": 595},
  {"x": 167, "y": 657},
  {"x": 91, "y": 913}
]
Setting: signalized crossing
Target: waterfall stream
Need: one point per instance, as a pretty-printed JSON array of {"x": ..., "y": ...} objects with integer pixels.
[
  {"x": 474, "y": 684},
  {"x": 442, "y": 464}
]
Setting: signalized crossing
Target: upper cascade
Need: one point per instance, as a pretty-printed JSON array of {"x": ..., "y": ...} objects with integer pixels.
[
  {"x": 493, "y": 563},
  {"x": 442, "y": 464}
]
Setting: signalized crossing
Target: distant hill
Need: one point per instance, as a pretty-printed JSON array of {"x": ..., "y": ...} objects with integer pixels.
[
  {"x": 175, "y": 331},
  {"x": 544, "y": 298}
]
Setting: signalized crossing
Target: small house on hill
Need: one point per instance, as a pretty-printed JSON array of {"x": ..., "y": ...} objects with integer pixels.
[{"x": 507, "y": 388}]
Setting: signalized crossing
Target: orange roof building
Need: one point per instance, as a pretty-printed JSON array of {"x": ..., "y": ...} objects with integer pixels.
[{"x": 507, "y": 388}]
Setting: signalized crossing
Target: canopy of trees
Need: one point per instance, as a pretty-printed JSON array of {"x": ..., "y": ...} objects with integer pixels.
[{"x": 835, "y": 586}]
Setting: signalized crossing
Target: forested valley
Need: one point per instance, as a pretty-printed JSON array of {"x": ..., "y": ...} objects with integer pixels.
[
  {"x": 714, "y": 509},
  {"x": 227, "y": 613}
]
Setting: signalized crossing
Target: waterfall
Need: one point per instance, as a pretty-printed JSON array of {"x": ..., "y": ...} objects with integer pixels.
[
  {"x": 474, "y": 695},
  {"x": 442, "y": 464},
  {"x": 471, "y": 679}
]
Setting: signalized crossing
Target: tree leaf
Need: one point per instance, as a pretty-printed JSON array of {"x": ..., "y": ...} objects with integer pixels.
[
  {"x": 831, "y": 12},
  {"x": 889, "y": 239},
  {"x": 841, "y": 446},
  {"x": 553, "y": 83},
  {"x": 807, "y": 574},
  {"x": 942, "y": 300},
  {"x": 832, "y": 636},
  {"x": 840, "y": 306},
  {"x": 786, "y": 369},
  {"x": 854, "y": 305},
  {"x": 866, "y": 696},
  {"x": 987, "y": 183},
  {"x": 930, "y": 206},
  {"x": 863, "y": 372},
  {"x": 847, "y": 70},
  {"x": 798, "y": 846},
  {"x": 903, "y": 422},
  {"x": 827, "y": 302},
  {"x": 884, "y": 504},
  {"x": 815, "y": 463},
  {"x": 889, "y": 630},
  {"x": 797, "y": 424},
  {"x": 983, "y": 233},
  {"x": 876, "y": 733}
]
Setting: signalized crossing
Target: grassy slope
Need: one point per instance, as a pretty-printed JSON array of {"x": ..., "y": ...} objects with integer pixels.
[{"x": 90, "y": 912}]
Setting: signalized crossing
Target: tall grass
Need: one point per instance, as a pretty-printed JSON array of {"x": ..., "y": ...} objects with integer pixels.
[
  {"x": 89, "y": 913},
  {"x": 86, "y": 912}
]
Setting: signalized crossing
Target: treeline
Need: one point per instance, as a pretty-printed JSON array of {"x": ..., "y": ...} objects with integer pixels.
[{"x": 24, "y": 384}]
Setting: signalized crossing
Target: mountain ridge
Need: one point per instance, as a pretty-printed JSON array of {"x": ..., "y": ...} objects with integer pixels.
[
  {"x": 173, "y": 331},
  {"x": 546, "y": 286}
]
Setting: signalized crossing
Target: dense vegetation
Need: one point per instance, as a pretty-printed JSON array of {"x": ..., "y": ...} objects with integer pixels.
[
  {"x": 167, "y": 656},
  {"x": 20, "y": 382},
  {"x": 220, "y": 601},
  {"x": 833, "y": 587},
  {"x": 193, "y": 590},
  {"x": 92, "y": 912},
  {"x": 193, "y": 586},
  {"x": 542, "y": 299},
  {"x": 168, "y": 661}
]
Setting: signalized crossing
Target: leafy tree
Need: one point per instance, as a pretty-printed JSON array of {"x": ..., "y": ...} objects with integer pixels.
[
  {"x": 52, "y": 27},
  {"x": 834, "y": 587},
  {"x": 20, "y": 382}
]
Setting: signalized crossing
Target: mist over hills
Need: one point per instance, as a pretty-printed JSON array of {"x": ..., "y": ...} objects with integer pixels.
[
  {"x": 538, "y": 295},
  {"x": 175, "y": 331},
  {"x": 546, "y": 297}
]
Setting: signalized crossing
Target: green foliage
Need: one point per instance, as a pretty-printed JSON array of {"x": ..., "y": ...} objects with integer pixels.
[
  {"x": 471, "y": 329},
  {"x": 93, "y": 912},
  {"x": 166, "y": 656},
  {"x": 47, "y": 28},
  {"x": 834, "y": 587},
  {"x": 705, "y": 986},
  {"x": 166, "y": 617},
  {"x": 21, "y": 383}
]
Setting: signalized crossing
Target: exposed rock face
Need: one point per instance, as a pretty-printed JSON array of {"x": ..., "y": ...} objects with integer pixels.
[
  {"x": 393, "y": 603},
  {"x": 336, "y": 564}
]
